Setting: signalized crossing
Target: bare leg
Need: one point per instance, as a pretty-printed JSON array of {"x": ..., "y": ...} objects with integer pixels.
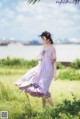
[
  {"x": 50, "y": 101},
  {"x": 43, "y": 102}
]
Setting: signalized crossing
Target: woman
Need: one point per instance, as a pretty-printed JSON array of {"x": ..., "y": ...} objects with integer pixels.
[{"x": 37, "y": 80}]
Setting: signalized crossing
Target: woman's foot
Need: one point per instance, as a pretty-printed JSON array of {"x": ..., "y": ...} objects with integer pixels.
[
  {"x": 43, "y": 102},
  {"x": 50, "y": 101}
]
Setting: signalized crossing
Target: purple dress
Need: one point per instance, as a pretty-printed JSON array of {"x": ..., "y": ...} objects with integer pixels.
[{"x": 37, "y": 80}]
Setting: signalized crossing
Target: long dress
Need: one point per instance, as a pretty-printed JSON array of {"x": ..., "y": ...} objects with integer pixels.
[{"x": 37, "y": 80}]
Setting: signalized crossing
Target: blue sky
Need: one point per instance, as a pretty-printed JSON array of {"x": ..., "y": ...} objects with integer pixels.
[{"x": 21, "y": 21}]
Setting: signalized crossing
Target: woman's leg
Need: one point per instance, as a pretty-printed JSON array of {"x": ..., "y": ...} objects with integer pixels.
[
  {"x": 50, "y": 101},
  {"x": 43, "y": 102}
]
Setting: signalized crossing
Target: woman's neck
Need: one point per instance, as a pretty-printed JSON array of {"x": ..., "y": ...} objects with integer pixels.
[{"x": 47, "y": 46}]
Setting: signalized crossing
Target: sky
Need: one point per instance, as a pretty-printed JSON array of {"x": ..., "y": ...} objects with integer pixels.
[{"x": 22, "y": 21}]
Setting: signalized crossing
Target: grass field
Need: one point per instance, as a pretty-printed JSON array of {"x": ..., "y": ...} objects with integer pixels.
[{"x": 18, "y": 104}]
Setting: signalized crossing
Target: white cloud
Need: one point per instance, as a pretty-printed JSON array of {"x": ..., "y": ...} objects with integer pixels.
[
  {"x": 9, "y": 13},
  {"x": 4, "y": 22},
  {"x": 69, "y": 8},
  {"x": 62, "y": 20},
  {"x": 39, "y": 17},
  {"x": 47, "y": 11},
  {"x": 22, "y": 7},
  {"x": 20, "y": 18}
]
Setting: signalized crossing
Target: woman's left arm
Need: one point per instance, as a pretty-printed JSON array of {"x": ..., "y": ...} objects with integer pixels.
[
  {"x": 55, "y": 70},
  {"x": 54, "y": 62}
]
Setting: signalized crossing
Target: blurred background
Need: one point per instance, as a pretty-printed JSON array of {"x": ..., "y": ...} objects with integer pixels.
[{"x": 21, "y": 23}]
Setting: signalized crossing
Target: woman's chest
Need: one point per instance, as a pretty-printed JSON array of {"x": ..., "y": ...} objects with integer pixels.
[{"x": 46, "y": 54}]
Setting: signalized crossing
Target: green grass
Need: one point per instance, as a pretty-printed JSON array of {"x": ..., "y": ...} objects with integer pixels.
[
  {"x": 69, "y": 74},
  {"x": 21, "y": 106},
  {"x": 12, "y": 71}
]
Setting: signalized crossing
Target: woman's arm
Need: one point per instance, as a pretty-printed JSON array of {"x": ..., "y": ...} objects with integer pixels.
[
  {"x": 55, "y": 70},
  {"x": 54, "y": 63}
]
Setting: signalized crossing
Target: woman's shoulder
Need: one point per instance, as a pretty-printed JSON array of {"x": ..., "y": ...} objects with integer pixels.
[{"x": 53, "y": 48}]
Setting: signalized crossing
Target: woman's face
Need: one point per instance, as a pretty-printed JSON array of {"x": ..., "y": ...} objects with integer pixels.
[{"x": 45, "y": 41}]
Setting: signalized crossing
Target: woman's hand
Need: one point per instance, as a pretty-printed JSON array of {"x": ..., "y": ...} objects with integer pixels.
[
  {"x": 55, "y": 77},
  {"x": 55, "y": 71}
]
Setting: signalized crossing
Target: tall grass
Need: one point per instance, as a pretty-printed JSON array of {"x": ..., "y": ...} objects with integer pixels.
[
  {"x": 63, "y": 74},
  {"x": 12, "y": 71},
  {"x": 69, "y": 74},
  {"x": 20, "y": 62},
  {"x": 19, "y": 106},
  {"x": 17, "y": 62},
  {"x": 76, "y": 64},
  {"x": 15, "y": 102},
  {"x": 66, "y": 94}
]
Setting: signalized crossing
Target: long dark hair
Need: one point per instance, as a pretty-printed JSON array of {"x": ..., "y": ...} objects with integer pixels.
[{"x": 47, "y": 35}]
